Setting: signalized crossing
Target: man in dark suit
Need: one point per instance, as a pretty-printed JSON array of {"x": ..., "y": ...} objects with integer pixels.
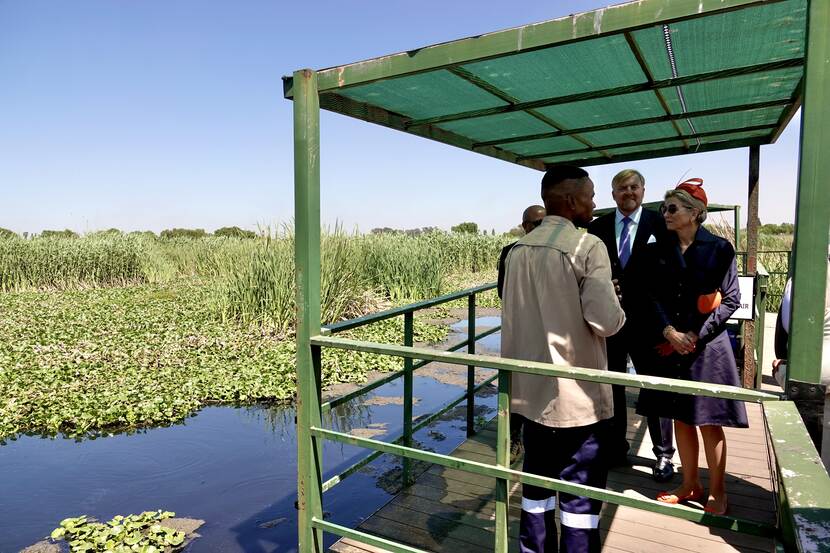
[
  {"x": 625, "y": 232},
  {"x": 531, "y": 218}
]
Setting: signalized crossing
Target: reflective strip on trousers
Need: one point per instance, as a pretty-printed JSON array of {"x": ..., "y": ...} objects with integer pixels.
[
  {"x": 572, "y": 520},
  {"x": 536, "y": 506}
]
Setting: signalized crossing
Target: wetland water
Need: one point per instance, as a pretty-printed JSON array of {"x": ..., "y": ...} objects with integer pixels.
[{"x": 235, "y": 468}]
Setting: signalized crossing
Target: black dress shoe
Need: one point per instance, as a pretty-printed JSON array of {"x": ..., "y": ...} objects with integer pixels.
[{"x": 663, "y": 470}]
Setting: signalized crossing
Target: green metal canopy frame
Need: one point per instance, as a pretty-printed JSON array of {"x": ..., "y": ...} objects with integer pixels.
[
  {"x": 638, "y": 80},
  {"x": 641, "y": 80}
]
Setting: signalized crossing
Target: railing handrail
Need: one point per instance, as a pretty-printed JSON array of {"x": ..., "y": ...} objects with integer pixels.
[
  {"x": 329, "y": 405},
  {"x": 402, "y": 310},
  {"x": 499, "y": 471},
  {"x": 549, "y": 369}
]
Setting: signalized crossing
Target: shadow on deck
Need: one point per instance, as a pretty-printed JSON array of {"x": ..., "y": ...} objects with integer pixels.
[{"x": 449, "y": 510}]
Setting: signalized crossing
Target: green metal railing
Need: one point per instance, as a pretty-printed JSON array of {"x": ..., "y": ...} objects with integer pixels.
[
  {"x": 779, "y": 424},
  {"x": 777, "y": 270},
  {"x": 759, "y": 311},
  {"x": 501, "y": 471},
  {"x": 409, "y": 367}
]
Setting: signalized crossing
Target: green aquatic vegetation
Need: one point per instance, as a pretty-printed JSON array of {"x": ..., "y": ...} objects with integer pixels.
[
  {"x": 113, "y": 332},
  {"x": 85, "y": 361},
  {"x": 140, "y": 533}
]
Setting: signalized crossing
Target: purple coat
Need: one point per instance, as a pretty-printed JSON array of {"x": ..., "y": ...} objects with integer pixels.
[{"x": 668, "y": 289}]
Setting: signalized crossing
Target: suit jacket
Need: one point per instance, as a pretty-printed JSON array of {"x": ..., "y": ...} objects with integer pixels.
[
  {"x": 651, "y": 224},
  {"x": 502, "y": 259}
]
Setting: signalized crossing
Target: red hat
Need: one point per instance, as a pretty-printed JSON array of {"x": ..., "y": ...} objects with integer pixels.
[{"x": 694, "y": 187}]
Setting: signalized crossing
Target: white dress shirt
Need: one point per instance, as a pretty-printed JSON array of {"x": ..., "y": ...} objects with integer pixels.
[{"x": 632, "y": 227}]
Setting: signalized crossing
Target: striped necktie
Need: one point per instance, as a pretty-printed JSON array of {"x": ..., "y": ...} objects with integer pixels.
[{"x": 625, "y": 242}]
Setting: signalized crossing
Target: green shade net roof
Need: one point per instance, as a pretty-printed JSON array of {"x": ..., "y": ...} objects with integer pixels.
[{"x": 640, "y": 80}]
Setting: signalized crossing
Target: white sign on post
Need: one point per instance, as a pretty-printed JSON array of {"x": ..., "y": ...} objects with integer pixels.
[{"x": 745, "y": 311}]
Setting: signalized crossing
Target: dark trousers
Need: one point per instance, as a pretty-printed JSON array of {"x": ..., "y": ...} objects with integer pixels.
[
  {"x": 660, "y": 430},
  {"x": 570, "y": 454}
]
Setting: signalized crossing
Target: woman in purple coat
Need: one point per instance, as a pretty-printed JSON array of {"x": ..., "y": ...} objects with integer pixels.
[{"x": 689, "y": 288}]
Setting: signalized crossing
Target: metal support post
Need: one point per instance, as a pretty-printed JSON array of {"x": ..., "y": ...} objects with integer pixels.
[
  {"x": 307, "y": 263},
  {"x": 408, "y": 340},
  {"x": 503, "y": 460},
  {"x": 811, "y": 227},
  {"x": 738, "y": 229},
  {"x": 752, "y": 223},
  {"x": 471, "y": 370}
]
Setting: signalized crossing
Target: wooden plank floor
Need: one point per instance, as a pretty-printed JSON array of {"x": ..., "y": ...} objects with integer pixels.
[{"x": 448, "y": 510}]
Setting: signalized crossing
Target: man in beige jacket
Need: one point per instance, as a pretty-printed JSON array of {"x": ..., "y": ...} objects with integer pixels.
[{"x": 559, "y": 305}]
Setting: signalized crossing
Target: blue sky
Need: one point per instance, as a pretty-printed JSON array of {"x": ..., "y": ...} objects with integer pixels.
[{"x": 154, "y": 114}]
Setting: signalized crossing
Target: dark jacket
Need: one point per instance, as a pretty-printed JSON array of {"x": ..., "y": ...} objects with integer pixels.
[
  {"x": 651, "y": 224},
  {"x": 667, "y": 293},
  {"x": 671, "y": 283},
  {"x": 502, "y": 259}
]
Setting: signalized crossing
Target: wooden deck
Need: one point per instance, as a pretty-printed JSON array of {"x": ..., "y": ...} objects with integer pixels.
[{"x": 448, "y": 510}]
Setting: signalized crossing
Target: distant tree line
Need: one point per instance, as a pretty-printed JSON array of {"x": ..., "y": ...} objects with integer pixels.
[
  {"x": 227, "y": 232},
  {"x": 237, "y": 232},
  {"x": 783, "y": 228}
]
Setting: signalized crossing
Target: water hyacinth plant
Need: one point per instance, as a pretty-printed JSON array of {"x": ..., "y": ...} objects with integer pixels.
[{"x": 142, "y": 533}]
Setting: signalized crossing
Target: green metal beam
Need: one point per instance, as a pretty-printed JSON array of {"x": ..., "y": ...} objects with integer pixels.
[
  {"x": 547, "y": 369},
  {"x": 363, "y": 537},
  {"x": 736, "y": 227},
  {"x": 408, "y": 391},
  {"x": 604, "y": 21},
  {"x": 307, "y": 274},
  {"x": 635, "y": 122},
  {"x": 804, "y": 487},
  {"x": 409, "y": 308},
  {"x": 638, "y": 55},
  {"x": 650, "y": 141},
  {"x": 655, "y": 206},
  {"x": 753, "y": 223},
  {"x": 423, "y": 421},
  {"x": 617, "y": 91},
  {"x": 812, "y": 220},
  {"x": 789, "y": 113},
  {"x": 380, "y": 116},
  {"x": 503, "y": 461},
  {"x": 504, "y": 473},
  {"x": 671, "y": 152},
  {"x": 471, "y": 369},
  {"x": 326, "y": 407}
]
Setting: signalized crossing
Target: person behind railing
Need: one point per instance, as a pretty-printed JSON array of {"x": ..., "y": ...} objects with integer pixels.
[
  {"x": 779, "y": 365},
  {"x": 531, "y": 218},
  {"x": 559, "y": 305},
  {"x": 625, "y": 232},
  {"x": 687, "y": 291}
]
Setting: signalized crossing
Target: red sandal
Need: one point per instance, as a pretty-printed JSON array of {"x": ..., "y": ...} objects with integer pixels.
[{"x": 673, "y": 499}]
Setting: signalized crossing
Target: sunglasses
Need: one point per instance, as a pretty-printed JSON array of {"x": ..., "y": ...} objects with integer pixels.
[
  {"x": 535, "y": 223},
  {"x": 671, "y": 208}
]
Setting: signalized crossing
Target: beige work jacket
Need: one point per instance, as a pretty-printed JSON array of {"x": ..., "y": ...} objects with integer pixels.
[{"x": 559, "y": 305}]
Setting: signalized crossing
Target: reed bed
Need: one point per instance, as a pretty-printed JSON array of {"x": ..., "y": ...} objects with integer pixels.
[
  {"x": 359, "y": 273},
  {"x": 67, "y": 263}
]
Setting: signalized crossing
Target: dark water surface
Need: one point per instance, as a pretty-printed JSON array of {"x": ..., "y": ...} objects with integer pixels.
[
  {"x": 491, "y": 342},
  {"x": 235, "y": 468}
]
